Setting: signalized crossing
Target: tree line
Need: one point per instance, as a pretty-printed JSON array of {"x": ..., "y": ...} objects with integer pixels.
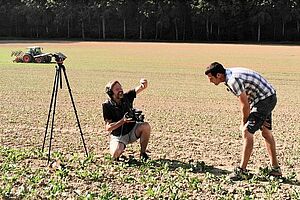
[{"x": 178, "y": 20}]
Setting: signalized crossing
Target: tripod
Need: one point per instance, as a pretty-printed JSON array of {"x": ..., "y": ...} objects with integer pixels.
[{"x": 58, "y": 80}]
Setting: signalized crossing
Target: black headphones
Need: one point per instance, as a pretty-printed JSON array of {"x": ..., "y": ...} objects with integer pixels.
[{"x": 108, "y": 88}]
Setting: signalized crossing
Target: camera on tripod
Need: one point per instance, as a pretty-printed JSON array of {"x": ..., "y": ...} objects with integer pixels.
[
  {"x": 59, "y": 57},
  {"x": 60, "y": 71},
  {"x": 135, "y": 115}
]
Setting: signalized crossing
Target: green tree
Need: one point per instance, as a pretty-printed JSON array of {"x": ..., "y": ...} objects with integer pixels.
[
  {"x": 103, "y": 10},
  {"x": 260, "y": 16},
  {"x": 10, "y": 12},
  {"x": 33, "y": 12},
  {"x": 282, "y": 14},
  {"x": 295, "y": 12},
  {"x": 83, "y": 10},
  {"x": 178, "y": 14},
  {"x": 126, "y": 10},
  {"x": 195, "y": 17},
  {"x": 145, "y": 10}
]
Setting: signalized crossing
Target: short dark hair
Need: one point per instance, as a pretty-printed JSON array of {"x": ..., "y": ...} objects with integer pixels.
[{"x": 215, "y": 68}]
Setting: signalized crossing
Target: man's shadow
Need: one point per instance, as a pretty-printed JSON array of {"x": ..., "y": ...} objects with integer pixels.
[
  {"x": 285, "y": 180},
  {"x": 172, "y": 165},
  {"x": 201, "y": 167}
]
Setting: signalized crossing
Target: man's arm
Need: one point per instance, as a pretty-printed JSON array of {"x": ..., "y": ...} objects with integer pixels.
[
  {"x": 110, "y": 126},
  {"x": 107, "y": 115},
  {"x": 143, "y": 85},
  {"x": 245, "y": 107}
]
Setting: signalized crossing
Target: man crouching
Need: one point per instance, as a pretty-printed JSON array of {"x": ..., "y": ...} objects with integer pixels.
[{"x": 124, "y": 129}]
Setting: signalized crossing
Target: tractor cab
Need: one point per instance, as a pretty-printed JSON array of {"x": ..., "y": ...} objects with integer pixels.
[{"x": 36, "y": 50}]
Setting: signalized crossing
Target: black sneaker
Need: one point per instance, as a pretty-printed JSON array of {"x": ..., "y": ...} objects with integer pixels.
[
  {"x": 122, "y": 158},
  {"x": 144, "y": 156},
  {"x": 275, "y": 171},
  {"x": 239, "y": 174}
]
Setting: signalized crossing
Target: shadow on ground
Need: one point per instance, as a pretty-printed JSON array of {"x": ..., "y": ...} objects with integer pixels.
[
  {"x": 172, "y": 165},
  {"x": 283, "y": 180},
  {"x": 193, "y": 166},
  {"x": 201, "y": 167}
]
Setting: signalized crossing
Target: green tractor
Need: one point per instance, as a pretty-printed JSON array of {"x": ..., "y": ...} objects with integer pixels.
[{"x": 33, "y": 54}]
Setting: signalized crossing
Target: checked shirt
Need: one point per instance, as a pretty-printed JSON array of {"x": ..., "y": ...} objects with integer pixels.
[{"x": 240, "y": 80}]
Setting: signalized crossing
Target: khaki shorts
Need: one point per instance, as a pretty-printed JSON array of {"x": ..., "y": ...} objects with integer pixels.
[{"x": 128, "y": 138}]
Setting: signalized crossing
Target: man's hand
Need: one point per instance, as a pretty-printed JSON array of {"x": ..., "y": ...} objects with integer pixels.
[
  {"x": 127, "y": 119},
  {"x": 110, "y": 126},
  {"x": 144, "y": 83}
]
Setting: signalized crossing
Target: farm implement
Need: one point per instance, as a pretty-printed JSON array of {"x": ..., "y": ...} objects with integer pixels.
[{"x": 32, "y": 55}]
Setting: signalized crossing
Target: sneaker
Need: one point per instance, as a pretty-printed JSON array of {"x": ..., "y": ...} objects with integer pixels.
[
  {"x": 116, "y": 159},
  {"x": 239, "y": 174},
  {"x": 144, "y": 156},
  {"x": 122, "y": 158},
  {"x": 275, "y": 171}
]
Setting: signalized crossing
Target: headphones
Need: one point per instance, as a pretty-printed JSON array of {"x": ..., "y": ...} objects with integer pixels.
[{"x": 109, "y": 86}]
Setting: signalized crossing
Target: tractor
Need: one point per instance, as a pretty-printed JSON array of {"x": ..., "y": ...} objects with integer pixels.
[{"x": 33, "y": 54}]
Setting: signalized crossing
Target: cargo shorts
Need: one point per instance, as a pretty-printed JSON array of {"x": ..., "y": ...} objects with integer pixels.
[
  {"x": 128, "y": 138},
  {"x": 261, "y": 114}
]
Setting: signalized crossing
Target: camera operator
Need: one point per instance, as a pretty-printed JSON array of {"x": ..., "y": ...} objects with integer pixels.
[{"x": 124, "y": 130}]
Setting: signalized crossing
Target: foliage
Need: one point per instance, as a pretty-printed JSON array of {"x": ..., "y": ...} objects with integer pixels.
[
  {"x": 149, "y": 19},
  {"x": 156, "y": 179}
]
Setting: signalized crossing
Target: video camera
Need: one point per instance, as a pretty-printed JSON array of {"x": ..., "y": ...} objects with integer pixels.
[
  {"x": 59, "y": 57},
  {"x": 135, "y": 115}
]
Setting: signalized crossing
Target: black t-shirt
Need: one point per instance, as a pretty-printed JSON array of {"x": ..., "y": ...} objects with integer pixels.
[{"x": 114, "y": 112}]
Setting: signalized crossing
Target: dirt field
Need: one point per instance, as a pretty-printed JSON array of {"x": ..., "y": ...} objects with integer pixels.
[{"x": 195, "y": 138}]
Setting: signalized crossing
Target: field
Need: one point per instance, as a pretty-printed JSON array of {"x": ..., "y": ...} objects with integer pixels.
[{"x": 195, "y": 139}]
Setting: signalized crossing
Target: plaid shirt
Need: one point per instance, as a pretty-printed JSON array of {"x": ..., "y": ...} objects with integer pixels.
[{"x": 240, "y": 80}]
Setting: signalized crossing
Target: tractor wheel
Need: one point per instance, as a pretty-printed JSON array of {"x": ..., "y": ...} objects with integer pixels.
[
  {"x": 27, "y": 58},
  {"x": 48, "y": 59},
  {"x": 38, "y": 60}
]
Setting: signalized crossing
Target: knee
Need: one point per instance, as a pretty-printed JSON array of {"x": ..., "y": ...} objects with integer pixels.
[
  {"x": 116, "y": 153},
  {"x": 266, "y": 133},
  {"x": 146, "y": 128},
  {"x": 247, "y": 135}
]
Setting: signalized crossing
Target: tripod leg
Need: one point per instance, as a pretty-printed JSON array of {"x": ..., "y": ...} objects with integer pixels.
[
  {"x": 51, "y": 102},
  {"x": 53, "y": 114},
  {"x": 70, "y": 92},
  {"x": 60, "y": 78}
]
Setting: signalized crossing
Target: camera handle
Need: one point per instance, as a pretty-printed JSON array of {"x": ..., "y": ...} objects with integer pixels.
[{"x": 58, "y": 81}]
